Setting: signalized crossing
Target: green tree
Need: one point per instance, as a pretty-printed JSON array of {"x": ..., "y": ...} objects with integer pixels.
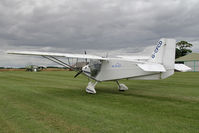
[{"x": 183, "y": 48}]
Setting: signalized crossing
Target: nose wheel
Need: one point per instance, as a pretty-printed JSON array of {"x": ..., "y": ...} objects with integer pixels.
[
  {"x": 91, "y": 87},
  {"x": 121, "y": 87}
]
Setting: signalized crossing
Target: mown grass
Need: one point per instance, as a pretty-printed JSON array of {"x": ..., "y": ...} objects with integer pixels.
[{"x": 55, "y": 102}]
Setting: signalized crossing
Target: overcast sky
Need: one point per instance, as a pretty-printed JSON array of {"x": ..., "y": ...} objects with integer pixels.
[{"x": 114, "y": 26}]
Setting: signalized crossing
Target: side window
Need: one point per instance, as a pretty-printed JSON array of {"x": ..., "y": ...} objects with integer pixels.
[{"x": 95, "y": 67}]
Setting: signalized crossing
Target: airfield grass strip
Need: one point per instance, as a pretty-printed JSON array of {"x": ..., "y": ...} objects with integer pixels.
[{"x": 55, "y": 102}]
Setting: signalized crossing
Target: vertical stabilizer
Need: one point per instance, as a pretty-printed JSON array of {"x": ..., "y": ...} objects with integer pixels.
[{"x": 164, "y": 54}]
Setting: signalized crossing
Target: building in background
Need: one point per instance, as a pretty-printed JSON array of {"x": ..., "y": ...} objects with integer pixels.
[{"x": 191, "y": 60}]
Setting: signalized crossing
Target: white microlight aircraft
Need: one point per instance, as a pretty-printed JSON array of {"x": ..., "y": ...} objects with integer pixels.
[{"x": 159, "y": 65}]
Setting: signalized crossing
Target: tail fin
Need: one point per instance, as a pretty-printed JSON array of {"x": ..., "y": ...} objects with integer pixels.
[{"x": 164, "y": 54}]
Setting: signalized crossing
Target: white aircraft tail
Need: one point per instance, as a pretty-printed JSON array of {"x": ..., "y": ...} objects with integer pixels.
[{"x": 164, "y": 54}]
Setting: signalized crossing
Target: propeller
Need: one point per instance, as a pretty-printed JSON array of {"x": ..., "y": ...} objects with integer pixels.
[
  {"x": 86, "y": 58},
  {"x": 81, "y": 70},
  {"x": 78, "y": 74},
  {"x": 107, "y": 55}
]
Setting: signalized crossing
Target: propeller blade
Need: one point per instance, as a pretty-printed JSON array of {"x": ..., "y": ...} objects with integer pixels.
[
  {"x": 78, "y": 74},
  {"x": 86, "y": 58}
]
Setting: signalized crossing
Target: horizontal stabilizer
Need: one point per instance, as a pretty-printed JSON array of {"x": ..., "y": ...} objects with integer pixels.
[
  {"x": 182, "y": 67},
  {"x": 152, "y": 67}
]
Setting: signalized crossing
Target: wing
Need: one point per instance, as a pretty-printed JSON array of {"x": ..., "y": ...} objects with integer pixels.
[
  {"x": 81, "y": 56},
  {"x": 54, "y": 57}
]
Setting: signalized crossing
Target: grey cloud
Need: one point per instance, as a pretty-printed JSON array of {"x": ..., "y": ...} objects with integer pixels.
[{"x": 67, "y": 25}]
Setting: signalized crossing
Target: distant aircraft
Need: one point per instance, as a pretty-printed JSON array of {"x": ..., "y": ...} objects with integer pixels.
[{"x": 159, "y": 65}]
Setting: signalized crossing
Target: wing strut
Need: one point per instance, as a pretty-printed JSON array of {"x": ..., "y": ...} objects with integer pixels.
[{"x": 58, "y": 62}]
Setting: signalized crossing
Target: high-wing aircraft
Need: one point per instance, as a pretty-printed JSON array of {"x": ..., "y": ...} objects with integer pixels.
[{"x": 159, "y": 65}]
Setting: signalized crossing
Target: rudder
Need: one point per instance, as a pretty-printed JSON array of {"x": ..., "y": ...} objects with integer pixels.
[{"x": 164, "y": 54}]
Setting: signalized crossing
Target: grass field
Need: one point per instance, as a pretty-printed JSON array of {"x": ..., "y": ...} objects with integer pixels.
[{"x": 55, "y": 102}]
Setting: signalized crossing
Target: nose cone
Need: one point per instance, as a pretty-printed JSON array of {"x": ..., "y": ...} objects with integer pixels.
[{"x": 86, "y": 70}]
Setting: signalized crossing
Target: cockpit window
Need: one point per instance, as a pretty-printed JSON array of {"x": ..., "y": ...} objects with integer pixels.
[{"x": 95, "y": 67}]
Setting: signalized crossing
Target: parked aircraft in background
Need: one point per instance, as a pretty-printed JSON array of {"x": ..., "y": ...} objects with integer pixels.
[{"x": 159, "y": 65}]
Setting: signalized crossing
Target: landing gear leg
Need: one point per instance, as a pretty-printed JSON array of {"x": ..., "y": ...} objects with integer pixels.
[
  {"x": 121, "y": 87},
  {"x": 91, "y": 87}
]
